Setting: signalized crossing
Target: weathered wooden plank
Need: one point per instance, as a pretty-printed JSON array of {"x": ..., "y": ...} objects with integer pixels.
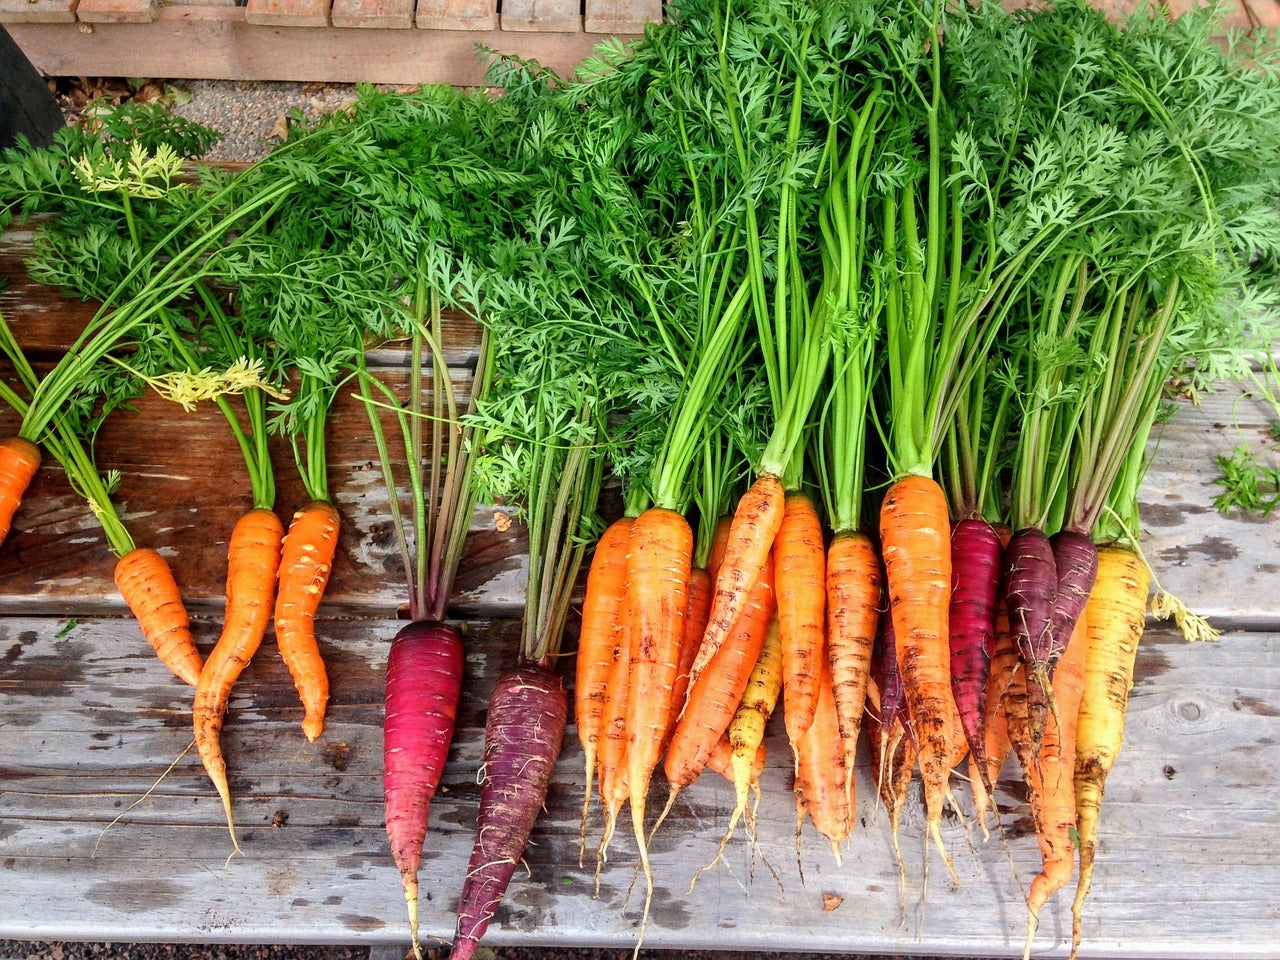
[
  {"x": 287, "y": 13},
  {"x": 392, "y": 14},
  {"x": 1223, "y": 567},
  {"x": 116, "y": 11},
  {"x": 88, "y": 723},
  {"x": 220, "y": 43},
  {"x": 457, "y": 14},
  {"x": 620, "y": 16},
  {"x": 542, "y": 16},
  {"x": 37, "y": 11}
]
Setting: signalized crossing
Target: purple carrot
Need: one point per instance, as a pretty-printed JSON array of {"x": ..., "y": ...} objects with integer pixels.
[
  {"x": 884, "y": 671},
  {"x": 1077, "y": 559},
  {"x": 1031, "y": 587},
  {"x": 424, "y": 681},
  {"x": 976, "y": 555},
  {"x": 521, "y": 743}
]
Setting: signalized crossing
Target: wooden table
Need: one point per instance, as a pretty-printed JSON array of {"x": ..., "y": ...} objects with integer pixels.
[{"x": 90, "y": 722}]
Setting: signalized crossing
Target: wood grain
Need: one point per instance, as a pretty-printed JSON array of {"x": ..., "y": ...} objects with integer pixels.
[{"x": 90, "y": 720}]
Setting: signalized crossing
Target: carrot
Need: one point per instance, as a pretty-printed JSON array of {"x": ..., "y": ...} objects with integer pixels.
[
  {"x": 613, "y": 748},
  {"x": 597, "y": 639},
  {"x": 309, "y": 547},
  {"x": 695, "y": 621},
  {"x": 853, "y": 601},
  {"x": 751, "y": 534},
  {"x": 146, "y": 583},
  {"x": 1031, "y": 582},
  {"x": 253, "y": 557},
  {"x": 1051, "y": 782},
  {"x": 1115, "y": 617},
  {"x": 996, "y": 745},
  {"x": 893, "y": 747},
  {"x": 800, "y": 569},
  {"x": 424, "y": 682},
  {"x": 821, "y": 783},
  {"x": 916, "y": 541},
  {"x": 714, "y": 697},
  {"x": 522, "y": 740},
  {"x": 746, "y": 734},
  {"x": 975, "y": 565},
  {"x": 19, "y": 461},
  {"x": 1076, "y": 557},
  {"x": 719, "y": 543},
  {"x": 659, "y": 558},
  {"x": 721, "y": 761}
]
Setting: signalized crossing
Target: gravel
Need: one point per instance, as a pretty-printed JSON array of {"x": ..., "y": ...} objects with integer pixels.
[{"x": 252, "y": 117}]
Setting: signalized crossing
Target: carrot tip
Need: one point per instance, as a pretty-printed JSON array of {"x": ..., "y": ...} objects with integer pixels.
[{"x": 313, "y": 727}]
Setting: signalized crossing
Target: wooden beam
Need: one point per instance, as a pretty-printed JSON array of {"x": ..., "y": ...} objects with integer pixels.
[{"x": 220, "y": 43}]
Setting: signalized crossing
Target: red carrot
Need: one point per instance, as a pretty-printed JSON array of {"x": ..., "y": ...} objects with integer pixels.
[
  {"x": 526, "y": 723},
  {"x": 975, "y": 584},
  {"x": 424, "y": 681}
]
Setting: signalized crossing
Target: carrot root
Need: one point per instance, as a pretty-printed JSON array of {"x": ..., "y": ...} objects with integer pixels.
[
  {"x": 146, "y": 583},
  {"x": 305, "y": 564},
  {"x": 253, "y": 558},
  {"x": 19, "y": 461}
]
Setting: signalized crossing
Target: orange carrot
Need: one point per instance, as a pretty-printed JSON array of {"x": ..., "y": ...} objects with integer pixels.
[
  {"x": 19, "y": 461},
  {"x": 695, "y": 621},
  {"x": 1052, "y": 781},
  {"x": 659, "y": 558},
  {"x": 253, "y": 558},
  {"x": 853, "y": 602},
  {"x": 715, "y": 695},
  {"x": 145, "y": 581},
  {"x": 721, "y": 760},
  {"x": 821, "y": 787},
  {"x": 751, "y": 534},
  {"x": 746, "y": 735},
  {"x": 597, "y": 646},
  {"x": 307, "y": 558},
  {"x": 718, "y": 546},
  {"x": 800, "y": 564},
  {"x": 916, "y": 541},
  {"x": 613, "y": 745}
]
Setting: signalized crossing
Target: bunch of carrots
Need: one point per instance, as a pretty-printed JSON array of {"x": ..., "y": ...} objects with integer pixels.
[{"x": 869, "y": 307}]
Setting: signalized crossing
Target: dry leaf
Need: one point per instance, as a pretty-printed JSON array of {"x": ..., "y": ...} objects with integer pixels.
[
  {"x": 281, "y": 130},
  {"x": 830, "y": 901},
  {"x": 501, "y": 521}
]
